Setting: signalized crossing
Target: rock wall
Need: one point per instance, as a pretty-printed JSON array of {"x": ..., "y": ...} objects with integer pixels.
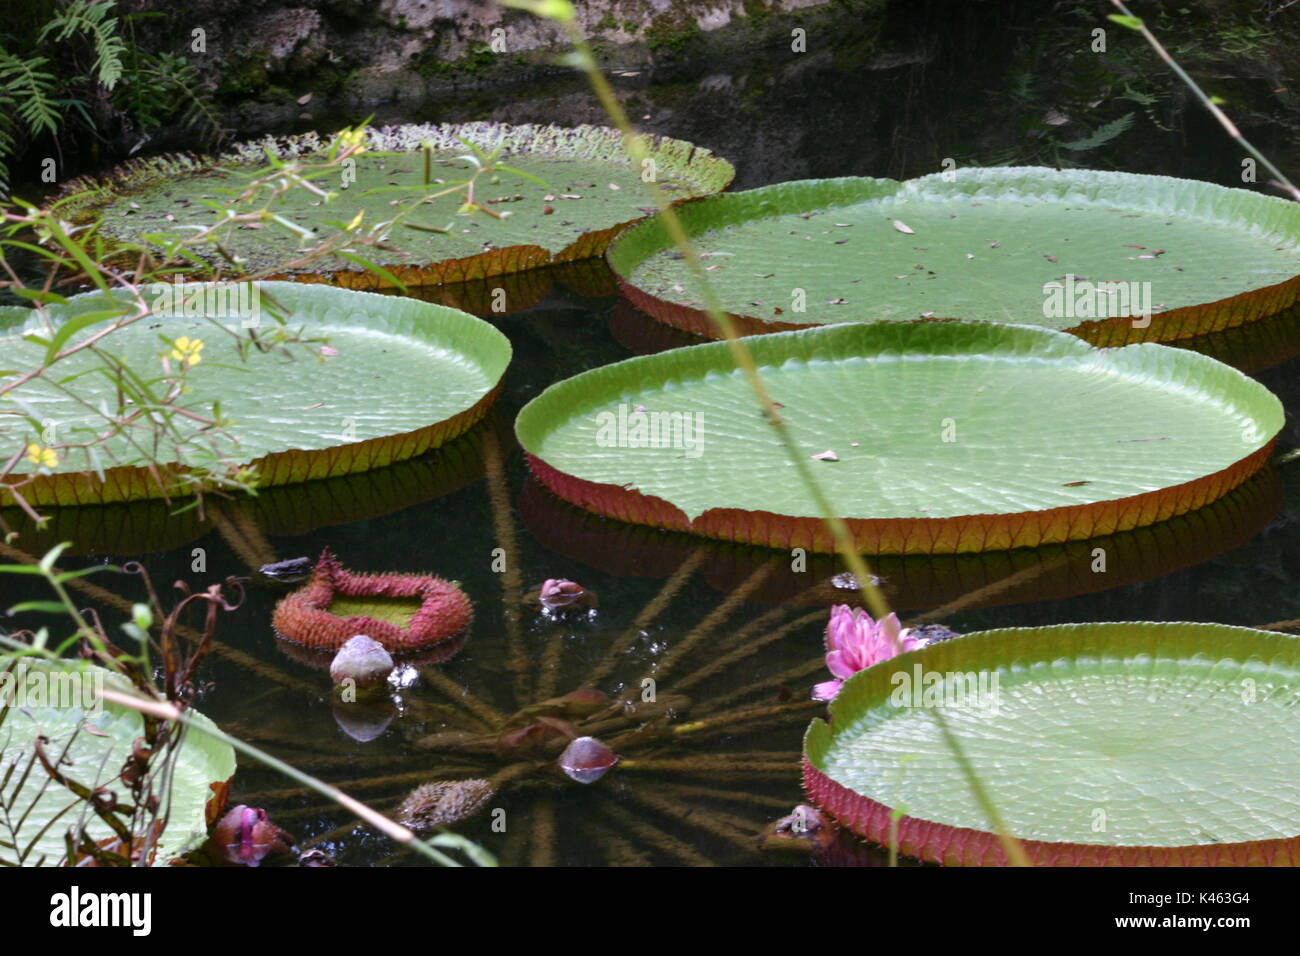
[{"x": 259, "y": 57}]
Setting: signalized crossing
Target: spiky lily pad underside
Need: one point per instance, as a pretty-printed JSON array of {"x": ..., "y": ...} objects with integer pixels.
[
  {"x": 592, "y": 193},
  {"x": 985, "y": 244},
  {"x": 403, "y": 377},
  {"x": 406, "y": 613},
  {"x": 1140, "y": 744},
  {"x": 929, "y": 437}
]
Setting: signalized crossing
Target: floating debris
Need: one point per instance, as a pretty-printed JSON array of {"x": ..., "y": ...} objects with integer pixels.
[{"x": 289, "y": 571}]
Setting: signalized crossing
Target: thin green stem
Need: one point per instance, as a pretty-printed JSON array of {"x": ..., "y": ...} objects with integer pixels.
[
  {"x": 1208, "y": 102},
  {"x": 562, "y": 11}
]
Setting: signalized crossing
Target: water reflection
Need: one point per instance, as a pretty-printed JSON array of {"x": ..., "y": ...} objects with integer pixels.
[{"x": 921, "y": 582}]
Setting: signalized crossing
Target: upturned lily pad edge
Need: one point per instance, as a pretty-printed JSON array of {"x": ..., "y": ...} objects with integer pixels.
[
  {"x": 935, "y": 842},
  {"x": 82, "y": 200},
  {"x": 123, "y": 483},
  {"x": 568, "y": 399},
  {"x": 649, "y": 237}
]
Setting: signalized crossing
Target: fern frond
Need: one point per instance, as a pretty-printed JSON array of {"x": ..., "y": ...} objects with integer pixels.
[
  {"x": 96, "y": 21},
  {"x": 1102, "y": 135},
  {"x": 29, "y": 87}
]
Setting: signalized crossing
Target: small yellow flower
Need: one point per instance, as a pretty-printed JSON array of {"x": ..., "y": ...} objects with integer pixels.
[
  {"x": 41, "y": 456},
  {"x": 187, "y": 351},
  {"x": 354, "y": 139}
]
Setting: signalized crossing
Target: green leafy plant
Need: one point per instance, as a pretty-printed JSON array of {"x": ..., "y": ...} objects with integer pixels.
[
  {"x": 284, "y": 414},
  {"x": 988, "y": 244},
  {"x": 69, "y": 73},
  {"x": 491, "y": 198}
]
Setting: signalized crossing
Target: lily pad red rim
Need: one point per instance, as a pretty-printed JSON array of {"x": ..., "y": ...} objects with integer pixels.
[
  {"x": 650, "y": 237},
  {"x": 888, "y": 535},
  {"x": 123, "y": 483},
  {"x": 964, "y": 846}
]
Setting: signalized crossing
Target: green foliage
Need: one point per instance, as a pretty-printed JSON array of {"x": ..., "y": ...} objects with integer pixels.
[
  {"x": 153, "y": 419},
  {"x": 27, "y": 87},
  {"x": 1102, "y": 135},
  {"x": 69, "y": 72},
  {"x": 94, "y": 22}
]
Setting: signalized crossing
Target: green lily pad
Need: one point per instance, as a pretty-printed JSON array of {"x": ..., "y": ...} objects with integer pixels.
[
  {"x": 1128, "y": 743},
  {"x": 1021, "y": 245},
  {"x": 592, "y": 192},
  {"x": 928, "y": 437},
  {"x": 98, "y": 738},
  {"x": 383, "y": 379}
]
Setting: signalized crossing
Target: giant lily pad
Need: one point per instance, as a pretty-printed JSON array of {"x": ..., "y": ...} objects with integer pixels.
[
  {"x": 1134, "y": 743},
  {"x": 928, "y": 437},
  {"x": 399, "y": 377},
  {"x": 592, "y": 191},
  {"x": 1022, "y": 245},
  {"x": 97, "y": 738}
]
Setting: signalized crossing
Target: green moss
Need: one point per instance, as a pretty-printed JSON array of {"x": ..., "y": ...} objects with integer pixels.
[
  {"x": 243, "y": 79},
  {"x": 757, "y": 13},
  {"x": 479, "y": 60},
  {"x": 671, "y": 32}
]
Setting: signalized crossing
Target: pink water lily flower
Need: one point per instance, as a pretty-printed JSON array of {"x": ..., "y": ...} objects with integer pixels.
[{"x": 854, "y": 642}]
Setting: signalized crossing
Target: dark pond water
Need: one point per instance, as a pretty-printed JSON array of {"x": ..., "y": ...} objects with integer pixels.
[{"x": 731, "y": 637}]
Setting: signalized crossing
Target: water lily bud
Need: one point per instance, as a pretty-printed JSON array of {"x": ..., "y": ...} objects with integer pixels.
[
  {"x": 803, "y": 829},
  {"x": 559, "y": 594},
  {"x": 586, "y": 760},
  {"x": 363, "y": 661},
  {"x": 245, "y": 836},
  {"x": 804, "y": 819}
]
